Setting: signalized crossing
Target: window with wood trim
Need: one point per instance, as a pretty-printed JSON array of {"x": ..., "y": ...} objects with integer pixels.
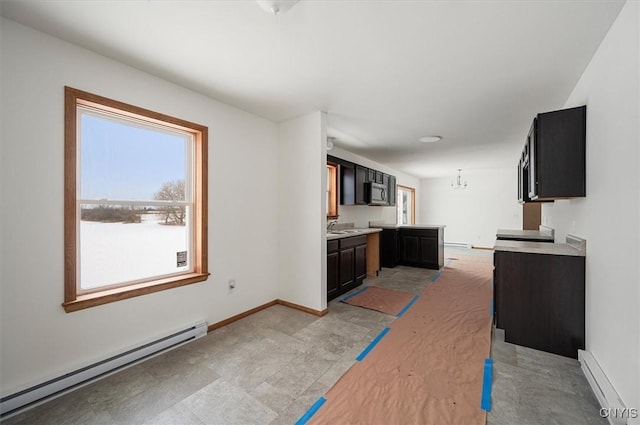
[
  {"x": 332, "y": 191},
  {"x": 135, "y": 201},
  {"x": 406, "y": 205}
]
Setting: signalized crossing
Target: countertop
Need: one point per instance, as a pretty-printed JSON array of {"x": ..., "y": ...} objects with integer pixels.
[
  {"x": 408, "y": 226},
  {"x": 574, "y": 247},
  {"x": 524, "y": 234},
  {"x": 350, "y": 232}
]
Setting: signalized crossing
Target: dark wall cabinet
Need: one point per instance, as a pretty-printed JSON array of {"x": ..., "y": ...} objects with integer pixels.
[
  {"x": 553, "y": 162},
  {"x": 412, "y": 247},
  {"x": 346, "y": 264},
  {"x": 353, "y": 178},
  {"x": 361, "y": 179},
  {"x": 391, "y": 184},
  {"x": 539, "y": 300}
]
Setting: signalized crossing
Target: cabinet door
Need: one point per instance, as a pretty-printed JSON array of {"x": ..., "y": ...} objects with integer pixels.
[
  {"x": 361, "y": 176},
  {"x": 389, "y": 248},
  {"x": 428, "y": 251},
  {"x": 347, "y": 271},
  {"x": 360, "y": 262},
  {"x": 371, "y": 175},
  {"x": 532, "y": 178},
  {"x": 560, "y": 153},
  {"x": 347, "y": 185},
  {"x": 392, "y": 190},
  {"x": 409, "y": 246},
  {"x": 519, "y": 171},
  {"x": 379, "y": 177},
  {"x": 333, "y": 273}
]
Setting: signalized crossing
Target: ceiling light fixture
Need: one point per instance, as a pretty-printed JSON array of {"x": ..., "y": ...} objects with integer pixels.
[
  {"x": 458, "y": 184},
  {"x": 430, "y": 139},
  {"x": 276, "y": 6}
]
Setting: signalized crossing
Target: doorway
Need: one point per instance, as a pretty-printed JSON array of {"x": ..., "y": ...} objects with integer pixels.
[{"x": 406, "y": 205}]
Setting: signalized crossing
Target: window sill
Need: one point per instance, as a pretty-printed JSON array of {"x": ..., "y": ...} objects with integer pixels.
[{"x": 111, "y": 295}]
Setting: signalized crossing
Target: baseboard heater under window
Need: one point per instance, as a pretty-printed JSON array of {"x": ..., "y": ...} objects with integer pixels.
[
  {"x": 611, "y": 404},
  {"x": 458, "y": 245},
  {"x": 15, "y": 403}
]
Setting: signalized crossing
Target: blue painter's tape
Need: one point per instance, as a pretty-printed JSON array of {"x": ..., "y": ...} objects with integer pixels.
[
  {"x": 485, "y": 402},
  {"x": 406, "y": 307},
  {"x": 312, "y": 410},
  {"x": 447, "y": 261},
  {"x": 372, "y": 344},
  {"x": 491, "y": 312},
  {"x": 437, "y": 275},
  {"x": 354, "y": 294}
]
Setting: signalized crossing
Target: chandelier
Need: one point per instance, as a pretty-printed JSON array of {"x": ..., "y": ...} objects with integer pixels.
[{"x": 459, "y": 184}]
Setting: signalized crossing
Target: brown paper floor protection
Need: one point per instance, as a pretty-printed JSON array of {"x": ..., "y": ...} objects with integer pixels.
[
  {"x": 384, "y": 300},
  {"x": 428, "y": 369}
]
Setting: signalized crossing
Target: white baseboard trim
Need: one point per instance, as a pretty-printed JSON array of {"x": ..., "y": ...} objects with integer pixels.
[{"x": 612, "y": 407}]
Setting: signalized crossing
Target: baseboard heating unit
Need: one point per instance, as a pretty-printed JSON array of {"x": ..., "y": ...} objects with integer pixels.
[
  {"x": 612, "y": 407},
  {"x": 15, "y": 403},
  {"x": 458, "y": 245}
]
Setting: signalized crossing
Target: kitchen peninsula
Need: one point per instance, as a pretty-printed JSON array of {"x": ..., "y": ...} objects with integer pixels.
[{"x": 417, "y": 245}]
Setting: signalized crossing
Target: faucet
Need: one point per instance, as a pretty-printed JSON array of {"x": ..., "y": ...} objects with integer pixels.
[{"x": 331, "y": 224}]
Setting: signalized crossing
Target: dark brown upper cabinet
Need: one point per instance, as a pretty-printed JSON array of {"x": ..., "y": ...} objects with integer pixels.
[
  {"x": 353, "y": 178},
  {"x": 553, "y": 163}
]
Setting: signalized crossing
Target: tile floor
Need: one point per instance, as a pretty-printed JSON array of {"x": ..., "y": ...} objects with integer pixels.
[{"x": 269, "y": 368}]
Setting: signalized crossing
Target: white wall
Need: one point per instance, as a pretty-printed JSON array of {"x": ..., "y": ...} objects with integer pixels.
[
  {"x": 360, "y": 215},
  {"x": 609, "y": 216},
  {"x": 40, "y": 340},
  {"x": 472, "y": 215},
  {"x": 302, "y": 180}
]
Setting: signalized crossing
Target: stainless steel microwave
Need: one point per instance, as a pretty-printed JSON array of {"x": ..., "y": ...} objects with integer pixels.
[{"x": 376, "y": 194}]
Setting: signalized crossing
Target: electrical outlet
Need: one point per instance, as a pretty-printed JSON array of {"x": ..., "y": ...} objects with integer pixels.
[{"x": 232, "y": 285}]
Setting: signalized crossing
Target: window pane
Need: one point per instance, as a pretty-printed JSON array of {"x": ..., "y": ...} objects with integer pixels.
[
  {"x": 127, "y": 161},
  {"x": 125, "y": 243}
]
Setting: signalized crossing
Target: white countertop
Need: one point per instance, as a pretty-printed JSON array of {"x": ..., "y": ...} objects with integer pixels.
[
  {"x": 540, "y": 248},
  {"x": 524, "y": 234},
  {"x": 350, "y": 232},
  {"x": 408, "y": 226}
]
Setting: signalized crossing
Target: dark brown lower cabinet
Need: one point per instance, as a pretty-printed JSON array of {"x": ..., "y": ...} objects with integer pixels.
[
  {"x": 421, "y": 247},
  {"x": 539, "y": 300},
  {"x": 333, "y": 268},
  {"x": 346, "y": 264},
  {"x": 347, "y": 267},
  {"x": 389, "y": 248}
]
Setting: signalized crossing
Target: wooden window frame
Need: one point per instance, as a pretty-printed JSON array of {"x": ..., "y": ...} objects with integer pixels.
[
  {"x": 412, "y": 191},
  {"x": 73, "y": 299},
  {"x": 332, "y": 208}
]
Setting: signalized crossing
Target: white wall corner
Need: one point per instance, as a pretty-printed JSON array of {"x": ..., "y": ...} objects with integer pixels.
[{"x": 301, "y": 180}]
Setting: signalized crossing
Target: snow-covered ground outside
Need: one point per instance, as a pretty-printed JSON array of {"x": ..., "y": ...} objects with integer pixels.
[{"x": 121, "y": 252}]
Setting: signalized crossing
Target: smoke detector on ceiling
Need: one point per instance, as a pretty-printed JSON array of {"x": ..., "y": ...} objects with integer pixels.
[{"x": 276, "y": 6}]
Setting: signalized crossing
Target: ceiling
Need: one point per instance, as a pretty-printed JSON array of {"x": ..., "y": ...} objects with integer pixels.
[{"x": 386, "y": 72}]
